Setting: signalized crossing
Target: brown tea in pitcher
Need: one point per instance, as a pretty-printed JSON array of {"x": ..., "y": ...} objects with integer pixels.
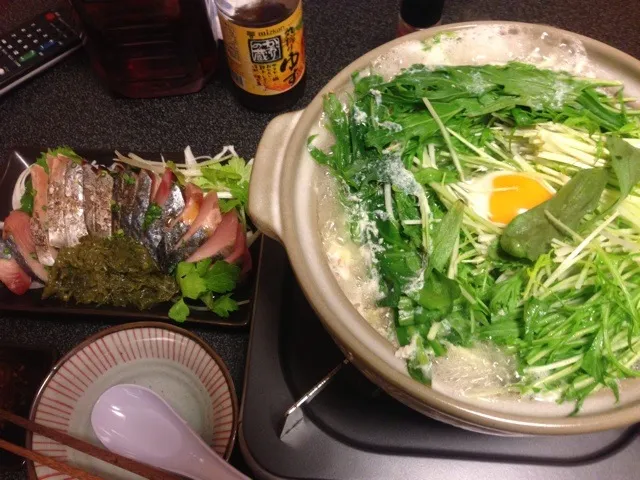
[{"x": 149, "y": 48}]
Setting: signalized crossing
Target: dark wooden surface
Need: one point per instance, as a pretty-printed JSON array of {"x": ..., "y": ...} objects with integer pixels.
[{"x": 68, "y": 105}]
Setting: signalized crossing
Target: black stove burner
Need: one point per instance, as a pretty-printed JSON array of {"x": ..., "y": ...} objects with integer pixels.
[{"x": 352, "y": 429}]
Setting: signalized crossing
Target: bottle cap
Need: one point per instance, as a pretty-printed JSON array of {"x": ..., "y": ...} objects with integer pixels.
[{"x": 421, "y": 13}]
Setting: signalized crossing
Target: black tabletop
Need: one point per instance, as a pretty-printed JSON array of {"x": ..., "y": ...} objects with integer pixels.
[{"x": 68, "y": 105}]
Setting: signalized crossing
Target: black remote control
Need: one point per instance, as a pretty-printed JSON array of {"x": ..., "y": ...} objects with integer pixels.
[{"x": 35, "y": 46}]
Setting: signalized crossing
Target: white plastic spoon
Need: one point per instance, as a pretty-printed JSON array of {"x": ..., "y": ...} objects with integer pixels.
[{"x": 136, "y": 423}]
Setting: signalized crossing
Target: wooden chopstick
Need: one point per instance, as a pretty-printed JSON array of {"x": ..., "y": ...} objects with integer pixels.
[
  {"x": 57, "y": 465},
  {"x": 133, "y": 466}
]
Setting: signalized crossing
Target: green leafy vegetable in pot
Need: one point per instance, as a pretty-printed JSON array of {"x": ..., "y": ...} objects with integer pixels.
[{"x": 497, "y": 207}]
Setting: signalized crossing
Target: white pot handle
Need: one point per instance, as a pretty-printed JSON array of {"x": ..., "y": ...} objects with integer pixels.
[{"x": 266, "y": 175}]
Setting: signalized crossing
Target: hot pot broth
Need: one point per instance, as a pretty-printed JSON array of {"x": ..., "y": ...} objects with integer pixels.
[{"x": 495, "y": 166}]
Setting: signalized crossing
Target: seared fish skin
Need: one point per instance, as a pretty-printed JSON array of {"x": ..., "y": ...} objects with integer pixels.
[
  {"x": 203, "y": 226},
  {"x": 11, "y": 251},
  {"x": 17, "y": 234},
  {"x": 11, "y": 274},
  {"x": 173, "y": 205},
  {"x": 116, "y": 202},
  {"x": 102, "y": 214},
  {"x": 56, "y": 200},
  {"x": 180, "y": 226},
  {"x": 168, "y": 243},
  {"x": 127, "y": 201},
  {"x": 74, "y": 209},
  {"x": 141, "y": 204},
  {"x": 89, "y": 186},
  {"x": 184, "y": 249},
  {"x": 39, "y": 220},
  {"x": 98, "y": 190},
  {"x": 223, "y": 241}
]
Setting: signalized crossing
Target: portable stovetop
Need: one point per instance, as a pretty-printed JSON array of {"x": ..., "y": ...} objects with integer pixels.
[{"x": 353, "y": 430}]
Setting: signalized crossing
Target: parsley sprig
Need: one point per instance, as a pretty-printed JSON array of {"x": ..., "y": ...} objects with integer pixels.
[{"x": 208, "y": 282}]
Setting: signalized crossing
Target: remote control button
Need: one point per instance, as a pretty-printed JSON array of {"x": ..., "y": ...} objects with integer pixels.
[
  {"x": 2, "y": 71},
  {"x": 19, "y": 40},
  {"x": 3, "y": 41},
  {"x": 50, "y": 16},
  {"x": 16, "y": 52},
  {"x": 27, "y": 56},
  {"x": 46, "y": 45}
]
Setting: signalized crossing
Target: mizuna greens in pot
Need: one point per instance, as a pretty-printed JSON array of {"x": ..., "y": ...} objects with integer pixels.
[{"x": 500, "y": 209}]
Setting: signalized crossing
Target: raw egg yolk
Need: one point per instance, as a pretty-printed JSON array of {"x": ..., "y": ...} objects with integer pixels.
[{"x": 515, "y": 194}]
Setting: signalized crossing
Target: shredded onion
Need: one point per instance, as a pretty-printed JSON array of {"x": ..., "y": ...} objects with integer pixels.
[
  {"x": 135, "y": 161},
  {"x": 189, "y": 159},
  {"x": 190, "y": 168},
  {"x": 19, "y": 188}
]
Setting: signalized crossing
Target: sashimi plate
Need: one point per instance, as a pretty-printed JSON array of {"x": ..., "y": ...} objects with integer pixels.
[{"x": 12, "y": 164}]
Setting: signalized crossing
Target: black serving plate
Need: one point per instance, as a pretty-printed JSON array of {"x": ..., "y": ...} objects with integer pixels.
[
  {"x": 12, "y": 165},
  {"x": 354, "y": 430}
]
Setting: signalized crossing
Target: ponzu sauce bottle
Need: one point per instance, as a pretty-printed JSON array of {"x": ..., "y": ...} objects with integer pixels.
[{"x": 265, "y": 50}]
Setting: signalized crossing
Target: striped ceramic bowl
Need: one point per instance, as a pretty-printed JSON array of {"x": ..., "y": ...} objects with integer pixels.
[{"x": 174, "y": 363}]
